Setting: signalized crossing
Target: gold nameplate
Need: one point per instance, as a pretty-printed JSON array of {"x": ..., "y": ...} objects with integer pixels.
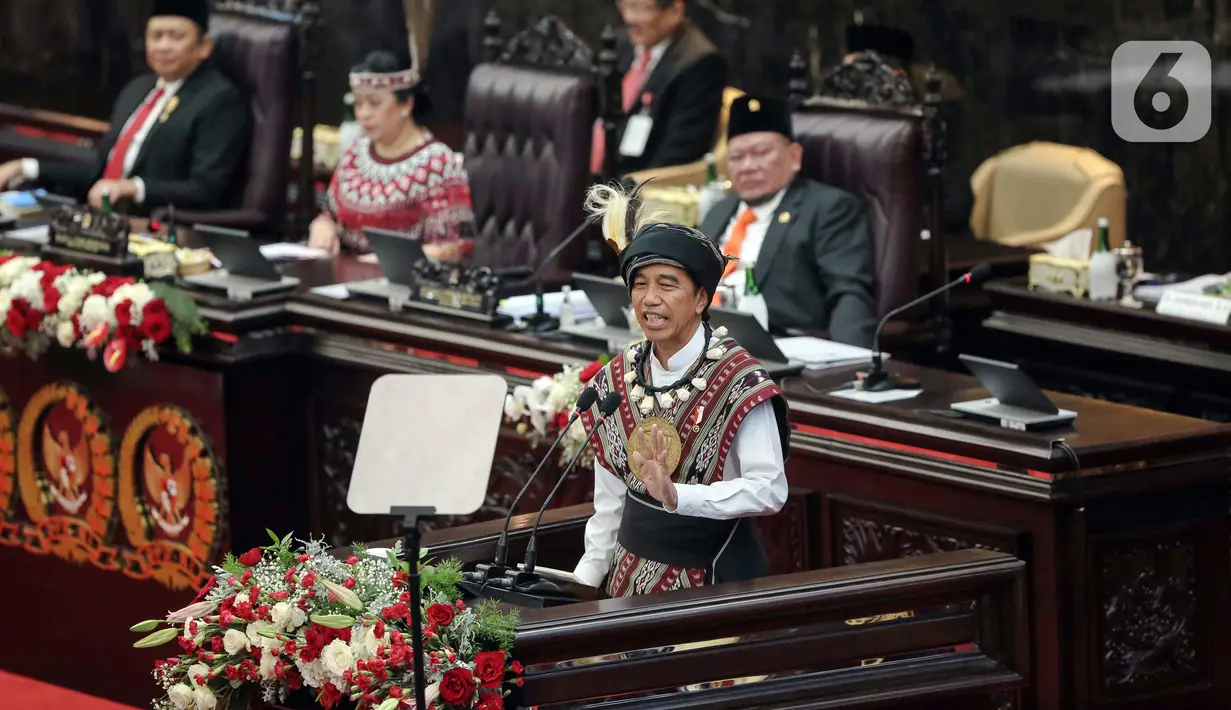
[{"x": 648, "y": 438}]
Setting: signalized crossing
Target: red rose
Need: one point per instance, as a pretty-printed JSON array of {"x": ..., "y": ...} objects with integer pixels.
[
  {"x": 590, "y": 371},
  {"x": 330, "y": 695},
  {"x": 457, "y": 687},
  {"x": 33, "y": 318},
  {"x": 124, "y": 313},
  {"x": 51, "y": 299},
  {"x": 489, "y": 668},
  {"x": 490, "y": 701},
  {"x": 16, "y": 317},
  {"x": 156, "y": 326},
  {"x": 107, "y": 288},
  {"x": 251, "y": 557},
  {"x": 440, "y": 614}
]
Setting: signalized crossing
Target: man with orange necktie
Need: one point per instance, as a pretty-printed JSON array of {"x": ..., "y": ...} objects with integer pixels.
[
  {"x": 807, "y": 243},
  {"x": 179, "y": 136},
  {"x": 672, "y": 90}
]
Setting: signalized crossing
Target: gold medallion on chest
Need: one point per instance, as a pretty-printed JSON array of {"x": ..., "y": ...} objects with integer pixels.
[{"x": 650, "y": 438}]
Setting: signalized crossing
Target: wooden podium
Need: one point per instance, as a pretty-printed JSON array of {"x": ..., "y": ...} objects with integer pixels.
[{"x": 941, "y": 631}]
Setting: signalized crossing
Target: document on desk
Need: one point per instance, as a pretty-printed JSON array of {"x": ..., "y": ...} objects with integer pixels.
[
  {"x": 818, "y": 354},
  {"x": 290, "y": 251},
  {"x": 35, "y": 235},
  {"x": 876, "y": 397},
  {"x": 338, "y": 291},
  {"x": 519, "y": 307},
  {"x": 555, "y": 575}
]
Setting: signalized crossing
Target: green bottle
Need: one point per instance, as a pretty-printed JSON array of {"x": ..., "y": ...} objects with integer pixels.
[
  {"x": 750, "y": 283},
  {"x": 1104, "y": 241},
  {"x": 105, "y": 207},
  {"x": 711, "y": 169}
]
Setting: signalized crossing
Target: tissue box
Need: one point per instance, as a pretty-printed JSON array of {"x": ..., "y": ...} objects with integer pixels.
[{"x": 1056, "y": 274}]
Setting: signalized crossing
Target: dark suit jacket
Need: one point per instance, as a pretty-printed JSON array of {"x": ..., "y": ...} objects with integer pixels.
[
  {"x": 815, "y": 268},
  {"x": 685, "y": 90},
  {"x": 193, "y": 160}
]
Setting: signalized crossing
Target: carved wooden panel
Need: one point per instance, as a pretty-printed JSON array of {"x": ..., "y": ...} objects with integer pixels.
[
  {"x": 1148, "y": 615},
  {"x": 863, "y": 531},
  {"x": 786, "y": 536}
]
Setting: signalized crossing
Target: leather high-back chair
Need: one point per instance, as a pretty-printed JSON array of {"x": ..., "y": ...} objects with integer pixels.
[
  {"x": 259, "y": 51},
  {"x": 527, "y": 149},
  {"x": 876, "y": 155}
]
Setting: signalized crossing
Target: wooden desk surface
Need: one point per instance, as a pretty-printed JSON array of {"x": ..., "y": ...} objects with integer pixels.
[{"x": 1104, "y": 434}]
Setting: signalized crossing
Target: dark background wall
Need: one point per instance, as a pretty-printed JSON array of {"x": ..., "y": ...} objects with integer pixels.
[{"x": 72, "y": 55}]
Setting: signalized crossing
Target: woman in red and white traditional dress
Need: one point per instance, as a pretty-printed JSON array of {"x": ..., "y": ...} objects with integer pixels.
[{"x": 396, "y": 176}]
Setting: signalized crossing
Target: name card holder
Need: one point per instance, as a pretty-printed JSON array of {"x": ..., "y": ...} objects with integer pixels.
[{"x": 1200, "y": 307}]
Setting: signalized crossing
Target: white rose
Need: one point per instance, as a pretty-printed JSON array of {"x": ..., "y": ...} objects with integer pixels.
[
  {"x": 6, "y": 302},
  {"x": 197, "y": 669},
  {"x": 94, "y": 312},
  {"x": 235, "y": 642},
  {"x": 71, "y": 302},
  {"x": 29, "y": 287},
  {"x": 364, "y": 643},
  {"x": 11, "y": 269},
  {"x": 66, "y": 334},
  {"x": 337, "y": 658},
  {"x": 181, "y": 696},
  {"x": 287, "y": 616},
  {"x": 255, "y": 639},
  {"x": 268, "y": 663},
  {"x": 204, "y": 698},
  {"x": 241, "y": 598},
  {"x": 577, "y": 431},
  {"x": 541, "y": 385},
  {"x": 557, "y": 398}
]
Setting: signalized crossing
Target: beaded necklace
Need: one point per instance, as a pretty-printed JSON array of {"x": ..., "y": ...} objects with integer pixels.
[{"x": 646, "y": 395}]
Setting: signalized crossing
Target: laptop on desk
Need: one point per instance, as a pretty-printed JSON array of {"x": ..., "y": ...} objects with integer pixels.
[
  {"x": 609, "y": 299},
  {"x": 747, "y": 331},
  {"x": 245, "y": 271},
  {"x": 1016, "y": 401},
  {"x": 397, "y": 253}
]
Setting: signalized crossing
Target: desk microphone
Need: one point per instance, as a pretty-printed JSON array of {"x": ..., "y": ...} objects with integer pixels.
[
  {"x": 585, "y": 400},
  {"x": 540, "y": 321},
  {"x": 877, "y": 380},
  {"x": 527, "y": 580}
]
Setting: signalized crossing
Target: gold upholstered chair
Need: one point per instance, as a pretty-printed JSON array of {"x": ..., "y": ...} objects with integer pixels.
[
  {"x": 694, "y": 173},
  {"x": 1033, "y": 194}
]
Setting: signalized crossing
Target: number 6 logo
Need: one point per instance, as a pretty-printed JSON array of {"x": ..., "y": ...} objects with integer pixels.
[{"x": 1161, "y": 92}]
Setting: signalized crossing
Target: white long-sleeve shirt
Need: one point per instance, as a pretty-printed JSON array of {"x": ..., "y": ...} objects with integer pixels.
[{"x": 753, "y": 475}]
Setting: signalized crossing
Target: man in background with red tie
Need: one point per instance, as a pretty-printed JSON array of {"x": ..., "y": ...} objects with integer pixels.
[
  {"x": 179, "y": 136},
  {"x": 672, "y": 90},
  {"x": 807, "y": 243}
]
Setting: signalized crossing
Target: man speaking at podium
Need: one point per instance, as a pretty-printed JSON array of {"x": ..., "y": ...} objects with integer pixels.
[
  {"x": 702, "y": 431},
  {"x": 178, "y": 136}
]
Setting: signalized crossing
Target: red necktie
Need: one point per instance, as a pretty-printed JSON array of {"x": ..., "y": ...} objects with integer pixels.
[
  {"x": 634, "y": 79},
  {"x": 115, "y": 163}
]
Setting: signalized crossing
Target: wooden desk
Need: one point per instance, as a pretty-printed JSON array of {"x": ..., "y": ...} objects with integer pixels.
[
  {"x": 1126, "y": 556},
  {"x": 1105, "y": 350}
]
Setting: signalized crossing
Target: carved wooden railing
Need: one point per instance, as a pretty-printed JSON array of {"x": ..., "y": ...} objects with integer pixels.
[{"x": 838, "y": 633}]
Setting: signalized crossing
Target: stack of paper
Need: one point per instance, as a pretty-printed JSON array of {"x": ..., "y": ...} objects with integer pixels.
[
  {"x": 1153, "y": 293},
  {"x": 817, "y": 354},
  {"x": 290, "y": 251},
  {"x": 519, "y": 307}
]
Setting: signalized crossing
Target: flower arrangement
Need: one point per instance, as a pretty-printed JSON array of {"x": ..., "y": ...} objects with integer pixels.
[
  {"x": 289, "y": 615},
  {"x": 42, "y": 302},
  {"x": 543, "y": 408}
]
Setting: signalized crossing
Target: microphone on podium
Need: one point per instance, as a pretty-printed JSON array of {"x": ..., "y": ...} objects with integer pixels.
[
  {"x": 877, "y": 379},
  {"x": 585, "y": 400},
  {"x": 527, "y": 581}
]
